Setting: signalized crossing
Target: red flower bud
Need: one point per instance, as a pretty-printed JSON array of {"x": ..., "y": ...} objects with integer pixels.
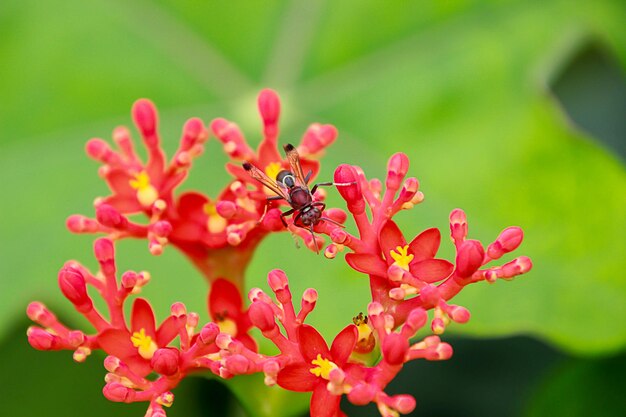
[
  {"x": 469, "y": 258},
  {"x": 208, "y": 333},
  {"x": 145, "y": 117},
  {"x": 395, "y": 347},
  {"x": 269, "y": 107},
  {"x": 41, "y": 339},
  {"x": 277, "y": 280},
  {"x": 397, "y": 167},
  {"x": 262, "y": 316},
  {"x": 105, "y": 253},
  {"x": 114, "y": 391},
  {"x": 508, "y": 241},
  {"x": 403, "y": 403},
  {"x": 237, "y": 364},
  {"x": 458, "y": 225},
  {"x": 361, "y": 394},
  {"x": 165, "y": 361},
  {"x": 351, "y": 189},
  {"x": 109, "y": 216},
  {"x": 73, "y": 287}
]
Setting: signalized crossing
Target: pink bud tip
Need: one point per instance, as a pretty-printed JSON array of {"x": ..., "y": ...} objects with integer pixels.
[
  {"x": 469, "y": 258},
  {"x": 76, "y": 338},
  {"x": 81, "y": 224},
  {"x": 144, "y": 114},
  {"x": 310, "y": 295},
  {"x": 338, "y": 236},
  {"x": 269, "y": 106},
  {"x": 237, "y": 364},
  {"x": 517, "y": 266},
  {"x": 331, "y": 251},
  {"x": 193, "y": 132},
  {"x": 403, "y": 403},
  {"x": 165, "y": 361},
  {"x": 208, "y": 333},
  {"x": 277, "y": 280},
  {"x": 223, "y": 341},
  {"x": 40, "y": 339},
  {"x": 73, "y": 287},
  {"x": 129, "y": 279},
  {"x": 350, "y": 189},
  {"x": 114, "y": 391},
  {"x": 226, "y": 209},
  {"x": 458, "y": 225},
  {"x": 361, "y": 394},
  {"x": 317, "y": 137},
  {"x": 108, "y": 216},
  {"x": 416, "y": 320},
  {"x": 178, "y": 309},
  {"x": 395, "y": 273},
  {"x": 397, "y": 293},
  {"x": 262, "y": 316},
  {"x": 375, "y": 308},
  {"x": 444, "y": 351},
  {"x": 38, "y": 313},
  {"x": 162, "y": 228},
  {"x": 112, "y": 364},
  {"x": 508, "y": 241},
  {"x": 97, "y": 149},
  {"x": 459, "y": 314},
  {"x": 397, "y": 167},
  {"x": 395, "y": 347}
]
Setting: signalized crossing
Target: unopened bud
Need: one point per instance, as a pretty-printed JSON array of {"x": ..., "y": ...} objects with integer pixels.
[
  {"x": 165, "y": 361},
  {"x": 351, "y": 189},
  {"x": 114, "y": 391},
  {"x": 397, "y": 167},
  {"x": 145, "y": 117},
  {"x": 469, "y": 258},
  {"x": 508, "y": 241},
  {"x": 394, "y": 348},
  {"x": 262, "y": 316}
]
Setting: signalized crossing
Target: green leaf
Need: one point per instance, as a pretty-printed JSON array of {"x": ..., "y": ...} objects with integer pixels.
[
  {"x": 459, "y": 86},
  {"x": 582, "y": 387}
]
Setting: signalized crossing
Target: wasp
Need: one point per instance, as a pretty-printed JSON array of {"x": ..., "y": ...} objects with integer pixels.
[{"x": 292, "y": 186}]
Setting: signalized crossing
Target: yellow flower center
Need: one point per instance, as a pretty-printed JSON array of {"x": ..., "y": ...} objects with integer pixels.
[
  {"x": 272, "y": 170},
  {"x": 144, "y": 344},
  {"x": 215, "y": 223},
  {"x": 146, "y": 193},
  {"x": 323, "y": 367},
  {"x": 402, "y": 257},
  {"x": 228, "y": 326}
]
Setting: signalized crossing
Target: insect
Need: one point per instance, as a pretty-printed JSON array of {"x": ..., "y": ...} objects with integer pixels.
[{"x": 292, "y": 186}]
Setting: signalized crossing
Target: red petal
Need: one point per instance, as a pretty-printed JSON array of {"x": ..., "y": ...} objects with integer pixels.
[
  {"x": 390, "y": 238},
  {"x": 312, "y": 343},
  {"x": 310, "y": 166},
  {"x": 344, "y": 344},
  {"x": 224, "y": 299},
  {"x": 297, "y": 377},
  {"x": 191, "y": 206},
  {"x": 117, "y": 342},
  {"x": 431, "y": 270},
  {"x": 119, "y": 182},
  {"x": 367, "y": 263},
  {"x": 142, "y": 317},
  {"x": 247, "y": 341},
  {"x": 323, "y": 403},
  {"x": 167, "y": 331},
  {"x": 123, "y": 203},
  {"x": 238, "y": 172},
  {"x": 267, "y": 153},
  {"x": 425, "y": 245},
  {"x": 138, "y": 365}
]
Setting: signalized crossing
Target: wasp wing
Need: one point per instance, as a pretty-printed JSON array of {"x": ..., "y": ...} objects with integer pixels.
[
  {"x": 294, "y": 162},
  {"x": 261, "y": 177}
]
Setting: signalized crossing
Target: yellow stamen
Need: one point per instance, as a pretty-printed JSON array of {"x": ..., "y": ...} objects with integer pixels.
[
  {"x": 166, "y": 399},
  {"x": 272, "y": 170},
  {"x": 228, "y": 326},
  {"x": 402, "y": 257},
  {"x": 215, "y": 223},
  {"x": 323, "y": 368},
  {"x": 146, "y": 193},
  {"x": 144, "y": 344}
]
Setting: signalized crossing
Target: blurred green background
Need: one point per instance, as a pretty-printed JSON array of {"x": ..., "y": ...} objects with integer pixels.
[{"x": 512, "y": 110}]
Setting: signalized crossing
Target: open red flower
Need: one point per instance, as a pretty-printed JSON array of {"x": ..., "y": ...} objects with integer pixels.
[
  {"x": 136, "y": 347},
  {"x": 417, "y": 257},
  {"x": 226, "y": 309},
  {"x": 312, "y": 374}
]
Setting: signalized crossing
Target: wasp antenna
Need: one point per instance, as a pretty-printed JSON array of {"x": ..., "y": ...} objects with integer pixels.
[
  {"x": 288, "y": 147},
  {"x": 247, "y": 166}
]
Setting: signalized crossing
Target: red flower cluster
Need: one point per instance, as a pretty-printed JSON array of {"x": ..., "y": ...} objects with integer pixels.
[{"x": 219, "y": 235}]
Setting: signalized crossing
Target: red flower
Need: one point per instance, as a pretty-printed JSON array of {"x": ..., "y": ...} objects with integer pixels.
[
  {"x": 136, "y": 347},
  {"x": 312, "y": 373},
  {"x": 418, "y": 257},
  {"x": 226, "y": 309}
]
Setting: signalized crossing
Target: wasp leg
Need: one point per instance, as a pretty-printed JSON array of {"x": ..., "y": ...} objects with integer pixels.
[
  {"x": 267, "y": 204},
  {"x": 307, "y": 178},
  {"x": 317, "y": 249},
  {"x": 328, "y": 184},
  {"x": 287, "y": 213}
]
